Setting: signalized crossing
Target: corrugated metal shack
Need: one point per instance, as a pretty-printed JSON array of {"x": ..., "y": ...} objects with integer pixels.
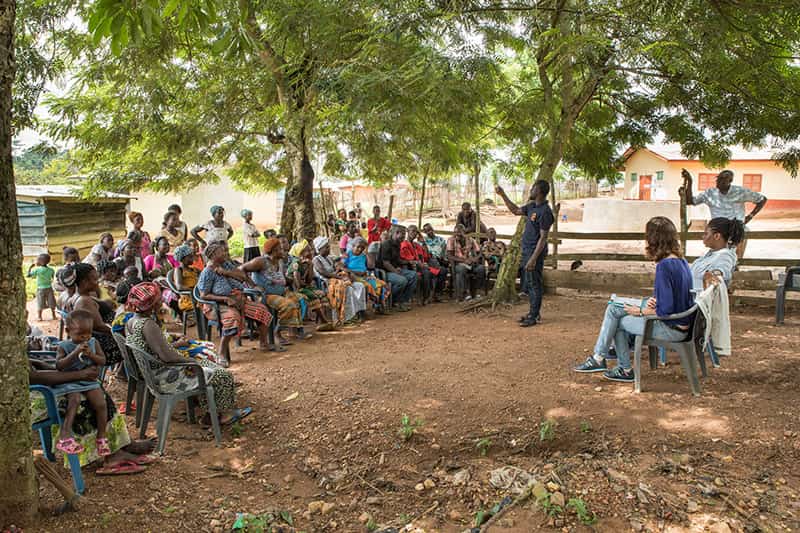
[{"x": 54, "y": 216}]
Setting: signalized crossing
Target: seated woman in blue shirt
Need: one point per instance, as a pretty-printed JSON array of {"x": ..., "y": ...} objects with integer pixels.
[
  {"x": 672, "y": 295},
  {"x": 721, "y": 237}
]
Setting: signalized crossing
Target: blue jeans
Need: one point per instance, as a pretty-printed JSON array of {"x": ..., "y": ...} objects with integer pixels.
[
  {"x": 403, "y": 285},
  {"x": 618, "y": 327},
  {"x": 534, "y": 283}
]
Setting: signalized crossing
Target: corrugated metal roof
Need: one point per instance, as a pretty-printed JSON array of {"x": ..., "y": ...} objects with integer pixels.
[{"x": 62, "y": 191}]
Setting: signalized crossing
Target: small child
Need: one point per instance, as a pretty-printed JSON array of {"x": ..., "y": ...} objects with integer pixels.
[
  {"x": 78, "y": 352},
  {"x": 109, "y": 278},
  {"x": 45, "y": 297},
  {"x": 250, "y": 236},
  {"x": 131, "y": 275}
]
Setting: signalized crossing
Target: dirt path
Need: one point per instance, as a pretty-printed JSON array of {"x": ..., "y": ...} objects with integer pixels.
[{"x": 655, "y": 461}]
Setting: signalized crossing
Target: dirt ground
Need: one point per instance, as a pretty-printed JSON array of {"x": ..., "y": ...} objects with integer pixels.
[{"x": 487, "y": 394}]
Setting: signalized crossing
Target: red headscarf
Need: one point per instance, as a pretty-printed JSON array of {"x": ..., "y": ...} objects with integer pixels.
[
  {"x": 270, "y": 245},
  {"x": 143, "y": 297}
]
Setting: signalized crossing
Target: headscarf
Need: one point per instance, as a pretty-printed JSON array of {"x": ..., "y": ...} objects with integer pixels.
[
  {"x": 374, "y": 247},
  {"x": 270, "y": 245},
  {"x": 133, "y": 214},
  {"x": 215, "y": 208},
  {"x": 143, "y": 297},
  {"x": 356, "y": 241},
  {"x": 244, "y": 212},
  {"x": 67, "y": 276},
  {"x": 182, "y": 251},
  {"x": 122, "y": 244},
  {"x": 298, "y": 248},
  {"x": 320, "y": 242}
]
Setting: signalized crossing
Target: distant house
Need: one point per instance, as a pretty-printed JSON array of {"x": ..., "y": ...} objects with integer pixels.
[
  {"x": 654, "y": 173},
  {"x": 54, "y": 216}
]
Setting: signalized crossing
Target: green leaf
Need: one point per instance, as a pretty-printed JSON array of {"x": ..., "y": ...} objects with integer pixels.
[{"x": 169, "y": 8}]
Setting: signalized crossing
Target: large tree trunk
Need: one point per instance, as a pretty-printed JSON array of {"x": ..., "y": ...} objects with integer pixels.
[
  {"x": 19, "y": 497},
  {"x": 297, "y": 217}
]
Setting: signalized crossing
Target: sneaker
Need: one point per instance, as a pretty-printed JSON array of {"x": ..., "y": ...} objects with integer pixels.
[
  {"x": 618, "y": 374},
  {"x": 591, "y": 365},
  {"x": 528, "y": 322}
]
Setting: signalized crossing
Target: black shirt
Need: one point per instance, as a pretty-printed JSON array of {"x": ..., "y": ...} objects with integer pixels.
[
  {"x": 390, "y": 251},
  {"x": 539, "y": 218}
]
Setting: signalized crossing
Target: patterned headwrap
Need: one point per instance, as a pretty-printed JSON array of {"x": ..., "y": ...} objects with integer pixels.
[
  {"x": 213, "y": 248},
  {"x": 67, "y": 276},
  {"x": 245, "y": 212},
  {"x": 143, "y": 297},
  {"x": 270, "y": 245},
  {"x": 320, "y": 242},
  {"x": 215, "y": 208},
  {"x": 298, "y": 248},
  {"x": 133, "y": 214},
  {"x": 182, "y": 251}
]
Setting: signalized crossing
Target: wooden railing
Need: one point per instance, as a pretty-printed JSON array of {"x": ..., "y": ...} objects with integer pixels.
[{"x": 557, "y": 237}]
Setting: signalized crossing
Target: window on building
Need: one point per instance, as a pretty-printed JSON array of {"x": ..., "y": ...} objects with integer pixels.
[
  {"x": 633, "y": 176},
  {"x": 706, "y": 181},
  {"x": 752, "y": 182},
  {"x": 660, "y": 175}
]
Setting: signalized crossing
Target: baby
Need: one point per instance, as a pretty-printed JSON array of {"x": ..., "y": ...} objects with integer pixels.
[{"x": 78, "y": 352}]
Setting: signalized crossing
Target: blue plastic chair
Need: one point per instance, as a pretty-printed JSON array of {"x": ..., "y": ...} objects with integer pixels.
[{"x": 44, "y": 427}]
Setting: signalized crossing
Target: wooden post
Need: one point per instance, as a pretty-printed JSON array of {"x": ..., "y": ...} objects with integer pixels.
[
  {"x": 422, "y": 197},
  {"x": 684, "y": 225},
  {"x": 477, "y": 202},
  {"x": 555, "y": 235}
]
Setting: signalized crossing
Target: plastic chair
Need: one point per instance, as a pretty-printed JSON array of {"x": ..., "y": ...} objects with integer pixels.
[
  {"x": 135, "y": 380},
  {"x": 174, "y": 289},
  {"x": 44, "y": 427},
  {"x": 167, "y": 401},
  {"x": 688, "y": 349},
  {"x": 258, "y": 296},
  {"x": 204, "y": 325},
  {"x": 790, "y": 283}
]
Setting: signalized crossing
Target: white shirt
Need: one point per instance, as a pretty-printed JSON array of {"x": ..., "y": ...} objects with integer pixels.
[
  {"x": 215, "y": 234},
  {"x": 729, "y": 205},
  {"x": 723, "y": 260},
  {"x": 250, "y": 235}
]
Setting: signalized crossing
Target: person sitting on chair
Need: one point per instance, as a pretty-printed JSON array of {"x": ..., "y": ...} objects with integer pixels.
[
  {"x": 464, "y": 254},
  {"x": 672, "y": 294},
  {"x": 493, "y": 251}
]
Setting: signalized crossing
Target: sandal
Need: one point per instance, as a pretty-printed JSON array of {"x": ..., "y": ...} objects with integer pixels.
[
  {"x": 69, "y": 446},
  {"x": 237, "y": 415},
  {"x": 142, "y": 460},
  {"x": 120, "y": 469},
  {"x": 103, "y": 447}
]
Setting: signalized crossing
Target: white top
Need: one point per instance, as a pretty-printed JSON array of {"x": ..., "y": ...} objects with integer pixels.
[
  {"x": 97, "y": 254},
  {"x": 250, "y": 235},
  {"x": 723, "y": 260},
  {"x": 215, "y": 234},
  {"x": 730, "y": 205}
]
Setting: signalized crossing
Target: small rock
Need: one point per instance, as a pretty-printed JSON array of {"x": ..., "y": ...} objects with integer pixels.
[
  {"x": 373, "y": 500},
  {"x": 288, "y": 478},
  {"x": 327, "y": 507},
  {"x": 419, "y": 487},
  {"x": 215, "y": 523},
  {"x": 692, "y": 506},
  {"x": 435, "y": 446},
  {"x": 727, "y": 459},
  {"x": 539, "y": 491},
  {"x": 558, "y": 499},
  {"x": 718, "y": 481},
  {"x": 598, "y": 389},
  {"x": 429, "y": 483},
  {"x": 364, "y": 518},
  {"x": 719, "y": 527},
  {"x": 454, "y": 515},
  {"x": 315, "y": 507},
  {"x": 552, "y": 487}
]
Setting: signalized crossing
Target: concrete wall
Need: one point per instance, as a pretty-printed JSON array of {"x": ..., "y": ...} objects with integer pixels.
[
  {"x": 197, "y": 202},
  {"x": 613, "y": 214},
  {"x": 780, "y": 188}
]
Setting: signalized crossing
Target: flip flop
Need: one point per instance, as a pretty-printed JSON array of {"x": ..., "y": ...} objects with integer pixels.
[
  {"x": 123, "y": 408},
  {"x": 142, "y": 460},
  {"x": 239, "y": 414},
  {"x": 69, "y": 446},
  {"x": 120, "y": 469}
]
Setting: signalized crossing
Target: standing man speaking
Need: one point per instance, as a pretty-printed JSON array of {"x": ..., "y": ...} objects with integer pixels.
[
  {"x": 725, "y": 200},
  {"x": 539, "y": 219}
]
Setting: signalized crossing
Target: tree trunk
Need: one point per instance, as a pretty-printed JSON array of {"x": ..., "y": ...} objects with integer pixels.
[
  {"x": 19, "y": 497},
  {"x": 477, "y": 178},
  {"x": 297, "y": 217},
  {"x": 422, "y": 197}
]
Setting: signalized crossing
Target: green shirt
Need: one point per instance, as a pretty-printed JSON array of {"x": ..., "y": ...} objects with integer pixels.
[{"x": 44, "y": 276}]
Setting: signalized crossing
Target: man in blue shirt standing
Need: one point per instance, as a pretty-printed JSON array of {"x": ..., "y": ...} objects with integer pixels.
[{"x": 539, "y": 219}]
